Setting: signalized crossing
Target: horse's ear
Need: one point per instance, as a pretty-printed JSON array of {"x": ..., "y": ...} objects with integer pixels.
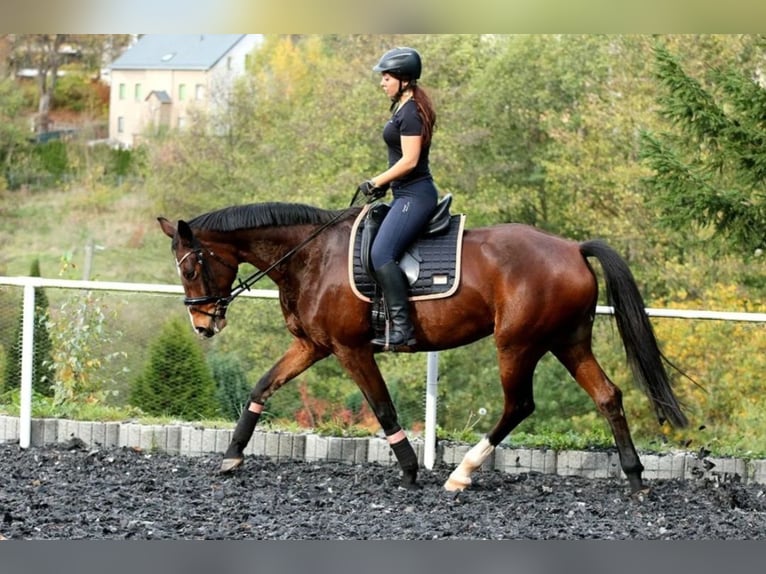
[
  {"x": 167, "y": 227},
  {"x": 185, "y": 232}
]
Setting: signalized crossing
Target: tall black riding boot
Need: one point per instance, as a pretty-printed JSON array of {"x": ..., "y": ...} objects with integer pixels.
[{"x": 394, "y": 285}]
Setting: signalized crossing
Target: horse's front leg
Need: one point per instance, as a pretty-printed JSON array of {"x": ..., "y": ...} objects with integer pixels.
[
  {"x": 361, "y": 366},
  {"x": 299, "y": 356}
]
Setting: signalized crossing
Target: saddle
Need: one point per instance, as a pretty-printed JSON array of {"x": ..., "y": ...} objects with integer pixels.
[{"x": 431, "y": 263}]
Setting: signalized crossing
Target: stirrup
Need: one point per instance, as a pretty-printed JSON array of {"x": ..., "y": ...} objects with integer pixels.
[{"x": 387, "y": 345}]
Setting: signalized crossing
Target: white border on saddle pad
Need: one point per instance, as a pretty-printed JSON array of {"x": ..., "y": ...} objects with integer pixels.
[{"x": 360, "y": 295}]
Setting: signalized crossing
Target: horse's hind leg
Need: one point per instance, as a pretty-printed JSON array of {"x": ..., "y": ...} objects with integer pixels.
[
  {"x": 581, "y": 363},
  {"x": 299, "y": 356},
  {"x": 516, "y": 371}
]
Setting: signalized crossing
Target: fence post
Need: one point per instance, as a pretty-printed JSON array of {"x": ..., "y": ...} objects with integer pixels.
[
  {"x": 27, "y": 366},
  {"x": 432, "y": 383}
]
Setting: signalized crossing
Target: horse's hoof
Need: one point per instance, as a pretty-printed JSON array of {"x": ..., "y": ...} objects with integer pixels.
[
  {"x": 410, "y": 485},
  {"x": 229, "y": 464},
  {"x": 453, "y": 485},
  {"x": 640, "y": 494}
]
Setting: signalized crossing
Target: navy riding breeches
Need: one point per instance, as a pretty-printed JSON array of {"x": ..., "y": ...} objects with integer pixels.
[{"x": 410, "y": 211}]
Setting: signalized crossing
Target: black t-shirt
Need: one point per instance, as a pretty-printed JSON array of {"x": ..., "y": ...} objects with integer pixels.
[{"x": 406, "y": 121}]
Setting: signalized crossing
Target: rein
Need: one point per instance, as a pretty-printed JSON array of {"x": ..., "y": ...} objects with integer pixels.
[{"x": 245, "y": 284}]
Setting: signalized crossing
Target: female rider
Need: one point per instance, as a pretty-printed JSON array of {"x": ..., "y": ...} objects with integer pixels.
[{"x": 407, "y": 135}]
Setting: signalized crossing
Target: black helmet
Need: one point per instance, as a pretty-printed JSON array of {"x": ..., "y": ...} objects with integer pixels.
[{"x": 402, "y": 63}]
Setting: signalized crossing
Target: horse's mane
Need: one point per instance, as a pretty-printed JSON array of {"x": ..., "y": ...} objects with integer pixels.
[{"x": 272, "y": 214}]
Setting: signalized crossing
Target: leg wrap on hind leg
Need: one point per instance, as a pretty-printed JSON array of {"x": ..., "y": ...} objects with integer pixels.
[{"x": 473, "y": 459}]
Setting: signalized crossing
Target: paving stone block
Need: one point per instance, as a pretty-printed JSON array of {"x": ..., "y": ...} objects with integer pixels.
[
  {"x": 44, "y": 431},
  {"x": 420, "y": 450},
  {"x": 589, "y": 464},
  {"x": 317, "y": 448},
  {"x": 757, "y": 471},
  {"x": 185, "y": 440},
  {"x": 713, "y": 467},
  {"x": 173, "y": 439},
  {"x": 378, "y": 450},
  {"x": 209, "y": 437},
  {"x": 257, "y": 444},
  {"x": 298, "y": 447},
  {"x": 352, "y": 450},
  {"x": 37, "y": 432},
  {"x": 105, "y": 435},
  {"x": 663, "y": 466},
  {"x": 9, "y": 428},
  {"x": 130, "y": 435},
  {"x": 271, "y": 445},
  {"x": 222, "y": 439},
  {"x": 67, "y": 430},
  {"x": 287, "y": 445},
  {"x": 523, "y": 460},
  {"x": 195, "y": 441},
  {"x": 3, "y": 428},
  {"x": 153, "y": 438},
  {"x": 97, "y": 435},
  {"x": 454, "y": 453},
  {"x": 84, "y": 431},
  {"x": 111, "y": 435}
]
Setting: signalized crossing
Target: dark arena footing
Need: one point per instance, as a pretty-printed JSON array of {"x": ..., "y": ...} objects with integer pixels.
[{"x": 77, "y": 492}]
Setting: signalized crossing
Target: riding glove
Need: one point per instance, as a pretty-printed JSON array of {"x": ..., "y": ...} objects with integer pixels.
[{"x": 368, "y": 189}]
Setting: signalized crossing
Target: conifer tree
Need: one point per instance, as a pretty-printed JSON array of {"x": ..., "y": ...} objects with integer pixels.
[
  {"x": 42, "y": 364},
  {"x": 176, "y": 381},
  {"x": 232, "y": 387},
  {"x": 710, "y": 171}
]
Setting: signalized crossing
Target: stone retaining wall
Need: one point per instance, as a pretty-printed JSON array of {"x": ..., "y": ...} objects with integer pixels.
[{"x": 190, "y": 440}]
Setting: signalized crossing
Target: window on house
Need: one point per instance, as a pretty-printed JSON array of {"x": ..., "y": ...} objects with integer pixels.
[
  {"x": 229, "y": 63},
  {"x": 123, "y": 91},
  {"x": 199, "y": 92},
  {"x": 247, "y": 61},
  {"x": 181, "y": 122},
  {"x": 137, "y": 92},
  {"x": 121, "y": 125},
  {"x": 181, "y": 92}
]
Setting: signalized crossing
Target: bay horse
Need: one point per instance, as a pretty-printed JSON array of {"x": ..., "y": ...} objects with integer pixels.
[{"x": 533, "y": 291}]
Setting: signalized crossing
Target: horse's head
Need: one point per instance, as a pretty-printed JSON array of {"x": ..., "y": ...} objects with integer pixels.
[{"x": 206, "y": 275}]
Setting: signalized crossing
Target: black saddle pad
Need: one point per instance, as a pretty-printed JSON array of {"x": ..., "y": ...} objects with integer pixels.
[{"x": 436, "y": 259}]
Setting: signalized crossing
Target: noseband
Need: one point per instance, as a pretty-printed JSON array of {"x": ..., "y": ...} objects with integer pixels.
[{"x": 221, "y": 303}]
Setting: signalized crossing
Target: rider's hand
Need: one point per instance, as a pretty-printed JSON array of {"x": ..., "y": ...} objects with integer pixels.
[{"x": 369, "y": 189}]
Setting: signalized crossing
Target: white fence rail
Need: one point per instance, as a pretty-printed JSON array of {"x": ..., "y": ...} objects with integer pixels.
[{"x": 432, "y": 370}]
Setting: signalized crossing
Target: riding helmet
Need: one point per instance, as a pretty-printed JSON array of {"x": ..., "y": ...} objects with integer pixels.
[{"x": 402, "y": 63}]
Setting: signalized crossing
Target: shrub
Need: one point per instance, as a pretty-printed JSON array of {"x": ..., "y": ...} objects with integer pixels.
[
  {"x": 232, "y": 388},
  {"x": 176, "y": 381},
  {"x": 79, "y": 339}
]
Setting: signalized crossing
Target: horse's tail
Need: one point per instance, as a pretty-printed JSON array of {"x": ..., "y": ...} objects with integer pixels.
[{"x": 641, "y": 348}]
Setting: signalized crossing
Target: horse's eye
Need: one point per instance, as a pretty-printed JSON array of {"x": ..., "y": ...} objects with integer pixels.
[{"x": 190, "y": 273}]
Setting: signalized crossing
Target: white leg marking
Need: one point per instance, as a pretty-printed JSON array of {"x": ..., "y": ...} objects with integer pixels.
[{"x": 473, "y": 459}]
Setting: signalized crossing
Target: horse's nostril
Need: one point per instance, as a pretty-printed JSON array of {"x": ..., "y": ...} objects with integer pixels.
[{"x": 205, "y": 332}]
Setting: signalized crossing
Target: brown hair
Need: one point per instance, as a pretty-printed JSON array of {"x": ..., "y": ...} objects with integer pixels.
[{"x": 426, "y": 111}]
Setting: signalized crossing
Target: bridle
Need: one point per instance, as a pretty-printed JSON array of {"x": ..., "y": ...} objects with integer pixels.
[{"x": 222, "y": 303}]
